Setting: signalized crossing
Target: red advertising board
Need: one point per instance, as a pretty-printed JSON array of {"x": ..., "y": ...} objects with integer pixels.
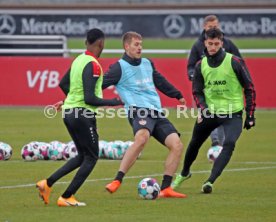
[{"x": 34, "y": 80}]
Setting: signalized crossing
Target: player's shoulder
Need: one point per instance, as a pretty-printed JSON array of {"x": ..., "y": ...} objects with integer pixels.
[
  {"x": 97, "y": 69},
  {"x": 237, "y": 59},
  {"x": 198, "y": 63}
]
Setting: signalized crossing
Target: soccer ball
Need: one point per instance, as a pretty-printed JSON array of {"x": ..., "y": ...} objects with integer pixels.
[
  {"x": 70, "y": 151},
  {"x": 30, "y": 151},
  {"x": 2, "y": 157},
  {"x": 43, "y": 149},
  {"x": 148, "y": 189},
  {"x": 213, "y": 153},
  {"x": 6, "y": 151},
  {"x": 55, "y": 150},
  {"x": 108, "y": 151},
  {"x": 102, "y": 146}
]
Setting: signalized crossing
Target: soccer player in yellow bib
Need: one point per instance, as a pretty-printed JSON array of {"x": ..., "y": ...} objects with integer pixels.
[
  {"x": 221, "y": 81},
  {"x": 83, "y": 86}
]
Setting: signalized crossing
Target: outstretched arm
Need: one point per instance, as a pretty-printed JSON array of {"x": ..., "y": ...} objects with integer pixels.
[
  {"x": 112, "y": 76},
  {"x": 162, "y": 84},
  {"x": 198, "y": 87},
  {"x": 89, "y": 79}
]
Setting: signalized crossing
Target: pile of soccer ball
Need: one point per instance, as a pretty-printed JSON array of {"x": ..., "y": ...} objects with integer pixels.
[
  {"x": 5, "y": 151},
  {"x": 148, "y": 189},
  {"x": 113, "y": 150},
  {"x": 213, "y": 153},
  {"x": 56, "y": 150}
]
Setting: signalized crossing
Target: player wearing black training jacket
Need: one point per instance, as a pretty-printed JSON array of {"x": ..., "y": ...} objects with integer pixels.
[
  {"x": 221, "y": 82},
  {"x": 197, "y": 52},
  {"x": 136, "y": 79}
]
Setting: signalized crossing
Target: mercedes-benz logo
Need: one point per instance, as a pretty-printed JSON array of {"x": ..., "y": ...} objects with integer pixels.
[
  {"x": 7, "y": 25},
  {"x": 174, "y": 26}
]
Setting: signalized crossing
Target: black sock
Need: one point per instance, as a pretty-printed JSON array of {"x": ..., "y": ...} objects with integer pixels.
[
  {"x": 120, "y": 176},
  {"x": 49, "y": 182},
  {"x": 166, "y": 182},
  {"x": 185, "y": 173},
  {"x": 66, "y": 194}
]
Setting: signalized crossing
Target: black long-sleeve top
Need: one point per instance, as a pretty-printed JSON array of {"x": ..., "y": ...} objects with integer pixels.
[
  {"x": 90, "y": 76},
  {"x": 197, "y": 52},
  {"x": 113, "y": 76},
  {"x": 240, "y": 70}
]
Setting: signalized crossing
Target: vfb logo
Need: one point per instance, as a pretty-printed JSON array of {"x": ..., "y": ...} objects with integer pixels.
[{"x": 45, "y": 78}]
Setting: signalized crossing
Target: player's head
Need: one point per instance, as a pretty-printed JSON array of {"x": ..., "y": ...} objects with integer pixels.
[
  {"x": 213, "y": 40},
  {"x": 132, "y": 43},
  {"x": 210, "y": 21},
  {"x": 95, "y": 41}
]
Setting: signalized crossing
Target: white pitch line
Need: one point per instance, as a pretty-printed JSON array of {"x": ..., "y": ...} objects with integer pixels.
[
  {"x": 142, "y": 176},
  {"x": 145, "y": 161}
]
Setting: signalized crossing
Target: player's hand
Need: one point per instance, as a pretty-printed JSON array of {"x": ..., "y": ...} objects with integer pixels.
[
  {"x": 58, "y": 105},
  {"x": 249, "y": 122}
]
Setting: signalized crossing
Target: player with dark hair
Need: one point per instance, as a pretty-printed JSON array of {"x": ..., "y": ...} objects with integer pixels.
[
  {"x": 197, "y": 52},
  {"x": 83, "y": 86},
  {"x": 136, "y": 80},
  {"x": 220, "y": 83}
]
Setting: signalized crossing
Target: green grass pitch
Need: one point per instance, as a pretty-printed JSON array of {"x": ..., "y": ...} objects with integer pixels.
[
  {"x": 150, "y": 43},
  {"x": 244, "y": 192}
]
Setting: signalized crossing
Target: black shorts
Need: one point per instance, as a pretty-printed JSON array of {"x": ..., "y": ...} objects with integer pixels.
[{"x": 155, "y": 122}]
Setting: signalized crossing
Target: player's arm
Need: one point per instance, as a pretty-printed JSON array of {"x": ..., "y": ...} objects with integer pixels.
[
  {"x": 112, "y": 76},
  {"x": 245, "y": 80},
  {"x": 198, "y": 88},
  {"x": 194, "y": 57},
  {"x": 65, "y": 82},
  {"x": 162, "y": 84},
  {"x": 90, "y": 76}
]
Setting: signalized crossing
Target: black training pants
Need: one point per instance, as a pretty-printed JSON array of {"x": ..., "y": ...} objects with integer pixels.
[
  {"x": 232, "y": 129},
  {"x": 81, "y": 124}
]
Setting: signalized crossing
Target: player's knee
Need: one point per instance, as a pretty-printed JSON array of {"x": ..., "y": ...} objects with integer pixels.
[
  {"x": 141, "y": 140},
  {"x": 177, "y": 146}
]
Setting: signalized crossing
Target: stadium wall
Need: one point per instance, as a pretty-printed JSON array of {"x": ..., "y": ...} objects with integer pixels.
[
  {"x": 152, "y": 23},
  {"x": 33, "y": 81}
]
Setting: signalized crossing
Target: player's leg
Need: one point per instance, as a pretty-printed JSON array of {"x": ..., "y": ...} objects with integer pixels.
[
  {"x": 44, "y": 186},
  {"x": 72, "y": 164},
  {"x": 217, "y": 136},
  {"x": 140, "y": 140},
  {"x": 165, "y": 133},
  {"x": 85, "y": 130},
  {"x": 201, "y": 132},
  {"x": 142, "y": 128},
  {"x": 232, "y": 128}
]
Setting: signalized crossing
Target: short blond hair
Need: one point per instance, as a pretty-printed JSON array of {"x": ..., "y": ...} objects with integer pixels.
[
  {"x": 127, "y": 37},
  {"x": 210, "y": 18}
]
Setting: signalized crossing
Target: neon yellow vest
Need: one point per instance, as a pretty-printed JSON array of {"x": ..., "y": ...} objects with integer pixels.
[
  {"x": 75, "y": 97},
  {"x": 223, "y": 91}
]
